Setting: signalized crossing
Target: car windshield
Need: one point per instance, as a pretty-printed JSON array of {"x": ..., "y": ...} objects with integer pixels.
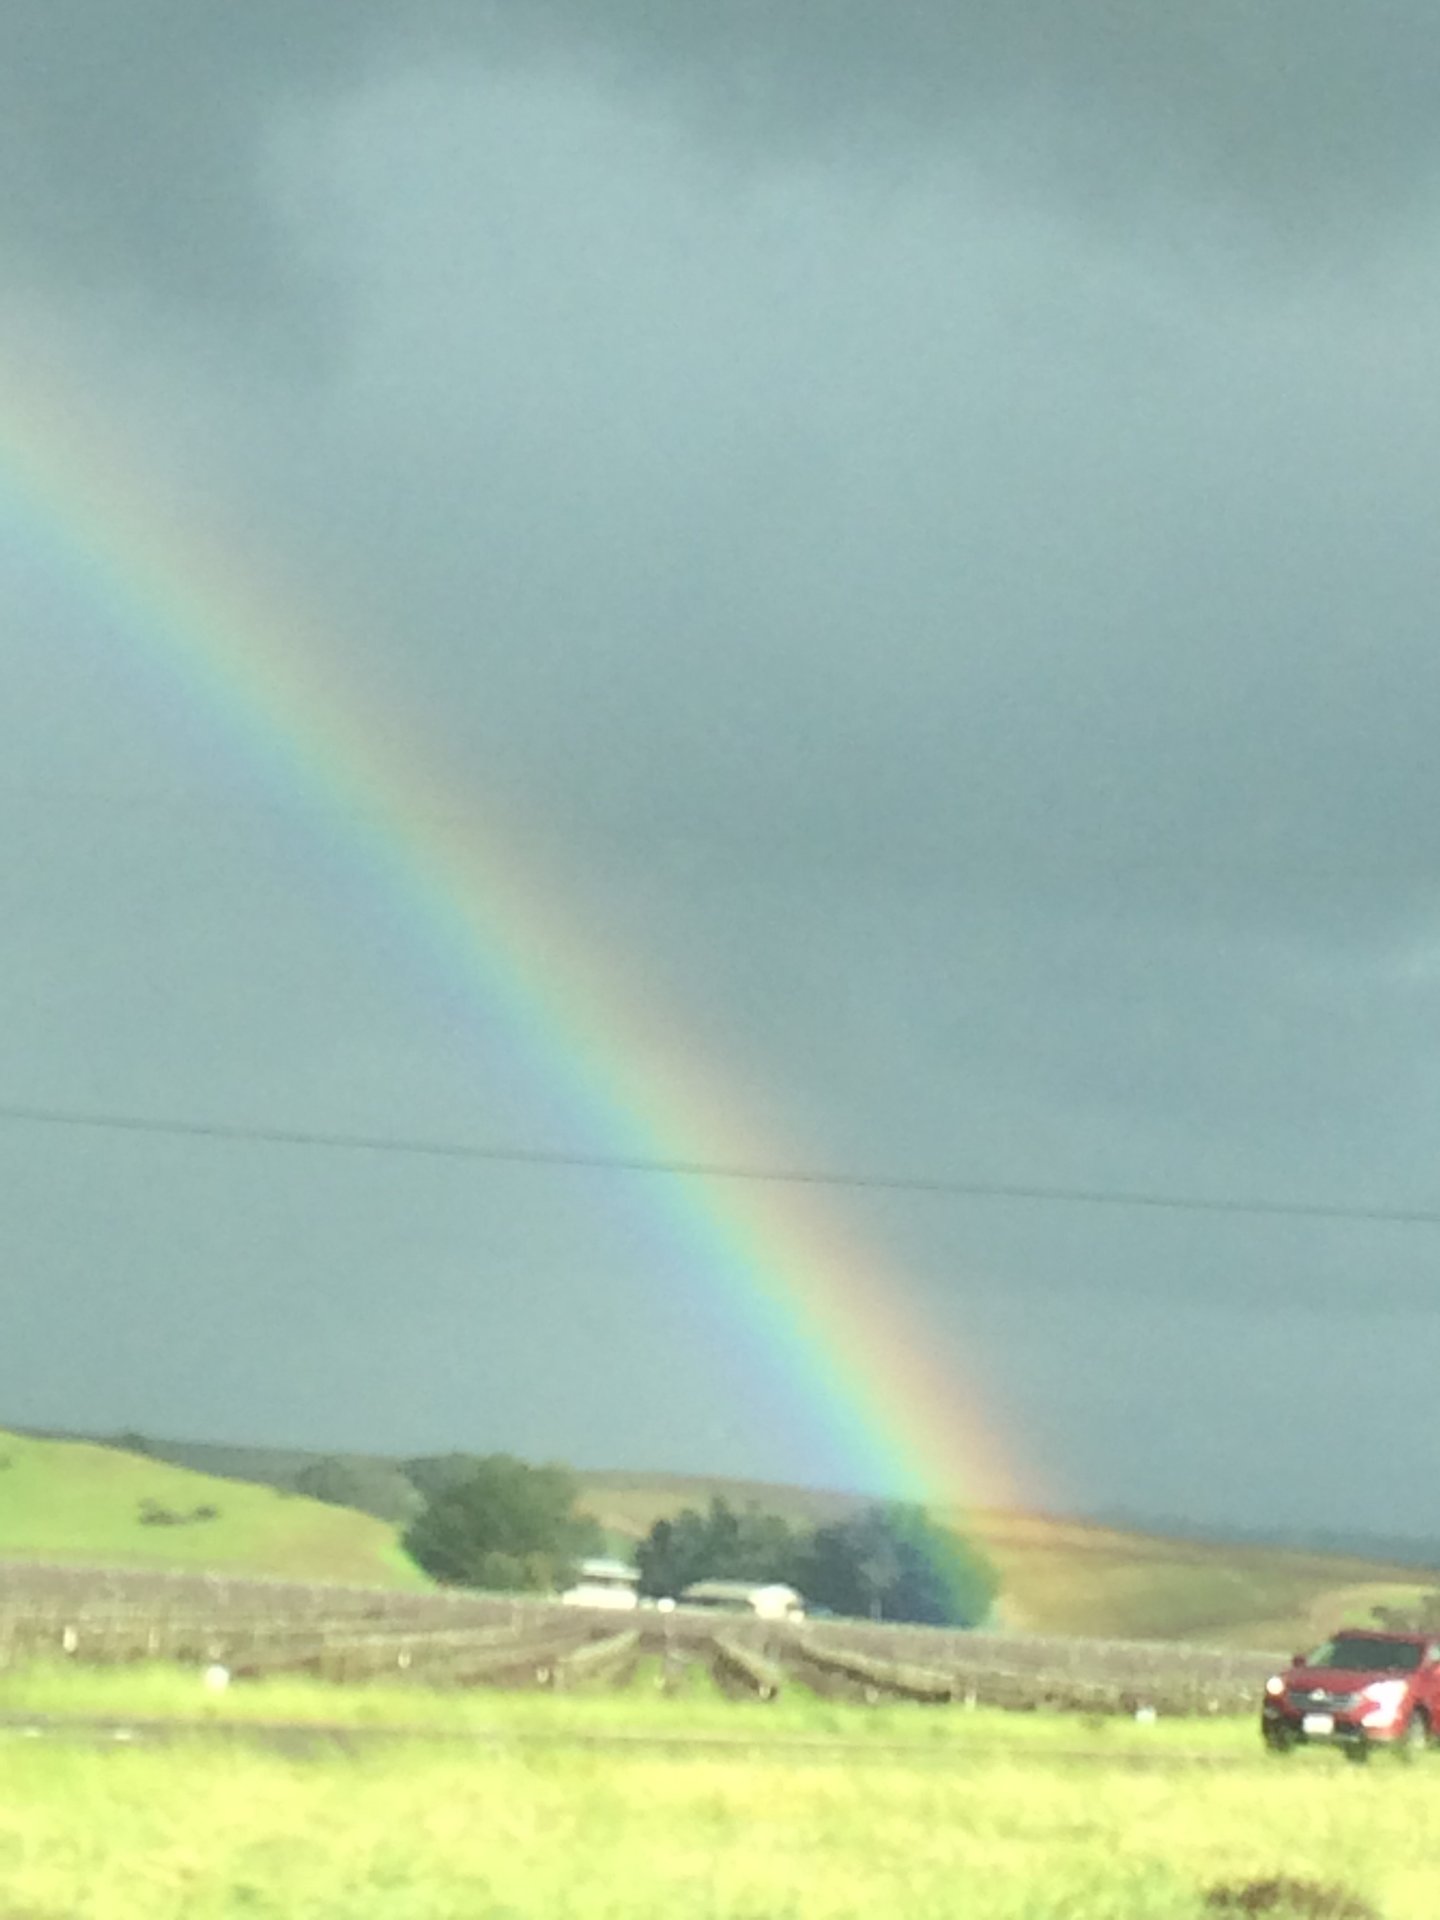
[{"x": 1362, "y": 1653}]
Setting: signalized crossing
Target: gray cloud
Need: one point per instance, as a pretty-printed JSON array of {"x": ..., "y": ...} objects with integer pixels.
[
  {"x": 925, "y": 522},
  {"x": 136, "y": 145}
]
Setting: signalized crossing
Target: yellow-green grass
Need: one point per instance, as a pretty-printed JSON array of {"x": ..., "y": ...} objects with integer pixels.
[
  {"x": 67, "y": 1501},
  {"x": 647, "y": 1707},
  {"x": 1073, "y": 1577},
  {"x": 1069, "y": 1577},
  {"x": 199, "y": 1833}
]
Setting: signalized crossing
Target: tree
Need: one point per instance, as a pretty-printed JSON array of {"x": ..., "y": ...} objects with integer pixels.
[
  {"x": 719, "y": 1544},
  {"x": 673, "y": 1555},
  {"x": 503, "y": 1525},
  {"x": 370, "y": 1486},
  {"x": 894, "y": 1562},
  {"x": 432, "y": 1473}
]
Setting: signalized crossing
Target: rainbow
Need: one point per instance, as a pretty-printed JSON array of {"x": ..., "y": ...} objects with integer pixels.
[{"x": 850, "y": 1341}]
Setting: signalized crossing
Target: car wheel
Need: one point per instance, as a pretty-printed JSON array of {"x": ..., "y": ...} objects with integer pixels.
[
  {"x": 1278, "y": 1740},
  {"x": 1415, "y": 1740},
  {"x": 1358, "y": 1753}
]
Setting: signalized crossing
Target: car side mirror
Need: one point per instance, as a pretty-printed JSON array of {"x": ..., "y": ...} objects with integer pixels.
[{"x": 1297, "y": 1659}]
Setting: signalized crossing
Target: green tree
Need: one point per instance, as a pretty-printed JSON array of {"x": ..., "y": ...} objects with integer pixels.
[
  {"x": 503, "y": 1525},
  {"x": 765, "y": 1547},
  {"x": 719, "y": 1544},
  {"x": 894, "y": 1562},
  {"x": 673, "y": 1555},
  {"x": 370, "y": 1486},
  {"x": 432, "y": 1473}
]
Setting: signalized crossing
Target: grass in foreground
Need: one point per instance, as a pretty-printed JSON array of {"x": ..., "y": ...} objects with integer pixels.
[
  {"x": 205, "y": 1834},
  {"x": 646, "y": 1706}
]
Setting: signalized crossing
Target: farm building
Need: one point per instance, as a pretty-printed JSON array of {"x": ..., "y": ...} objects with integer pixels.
[
  {"x": 768, "y": 1602},
  {"x": 604, "y": 1583}
]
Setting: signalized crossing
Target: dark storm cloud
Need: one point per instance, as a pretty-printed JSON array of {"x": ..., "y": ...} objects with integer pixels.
[
  {"x": 1285, "y": 110},
  {"x": 923, "y": 512},
  {"x": 131, "y": 142},
  {"x": 133, "y": 139}
]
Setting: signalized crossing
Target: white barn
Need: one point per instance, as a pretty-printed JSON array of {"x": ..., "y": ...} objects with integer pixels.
[
  {"x": 604, "y": 1583},
  {"x": 765, "y": 1601}
]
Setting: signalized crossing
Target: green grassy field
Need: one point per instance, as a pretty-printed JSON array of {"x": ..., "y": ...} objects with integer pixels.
[
  {"x": 69, "y": 1501},
  {"x": 1013, "y": 1831}
]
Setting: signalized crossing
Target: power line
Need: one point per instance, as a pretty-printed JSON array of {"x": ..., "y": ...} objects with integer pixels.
[{"x": 502, "y": 1154}]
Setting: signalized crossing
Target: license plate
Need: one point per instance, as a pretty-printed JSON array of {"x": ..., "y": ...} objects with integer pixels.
[{"x": 1318, "y": 1723}]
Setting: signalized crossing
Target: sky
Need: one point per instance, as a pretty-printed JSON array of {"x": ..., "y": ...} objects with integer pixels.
[{"x": 915, "y": 526}]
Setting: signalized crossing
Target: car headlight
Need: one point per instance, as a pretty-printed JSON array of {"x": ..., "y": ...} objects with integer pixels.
[{"x": 1275, "y": 1686}]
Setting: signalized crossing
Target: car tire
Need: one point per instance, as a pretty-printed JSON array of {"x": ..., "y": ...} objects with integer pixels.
[
  {"x": 1358, "y": 1753},
  {"x": 1415, "y": 1741},
  {"x": 1279, "y": 1741}
]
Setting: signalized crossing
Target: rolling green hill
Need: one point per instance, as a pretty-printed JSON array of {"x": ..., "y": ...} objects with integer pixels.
[
  {"x": 66, "y": 1500},
  {"x": 80, "y": 1501}
]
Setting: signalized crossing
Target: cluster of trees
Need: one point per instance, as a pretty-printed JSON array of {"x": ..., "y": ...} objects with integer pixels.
[
  {"x": 498, "y": 1523},
  {"x": 380, "y": 1487},
  {"x": 888, "y": 1561}
]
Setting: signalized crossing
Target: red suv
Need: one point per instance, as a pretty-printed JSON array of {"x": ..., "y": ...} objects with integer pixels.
[{"x": 1359, "y": 1691}]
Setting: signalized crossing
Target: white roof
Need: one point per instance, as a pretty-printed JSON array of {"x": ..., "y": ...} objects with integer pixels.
[
  {"x": 747, "y": 1590},
  {"x": 605, "y": 1570}
]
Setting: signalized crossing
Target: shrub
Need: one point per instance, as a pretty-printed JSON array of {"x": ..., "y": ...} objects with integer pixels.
[
  {"x": 152, "y": 1514},
  {"x": 1283, "y": 1896}
]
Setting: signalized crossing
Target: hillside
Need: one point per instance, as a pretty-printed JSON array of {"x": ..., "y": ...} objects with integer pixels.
[
  {"x": 64, "y": 1500},
  {"x": 1072, "y": 1576},
  {"x": 1059, "y": 1575}
]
